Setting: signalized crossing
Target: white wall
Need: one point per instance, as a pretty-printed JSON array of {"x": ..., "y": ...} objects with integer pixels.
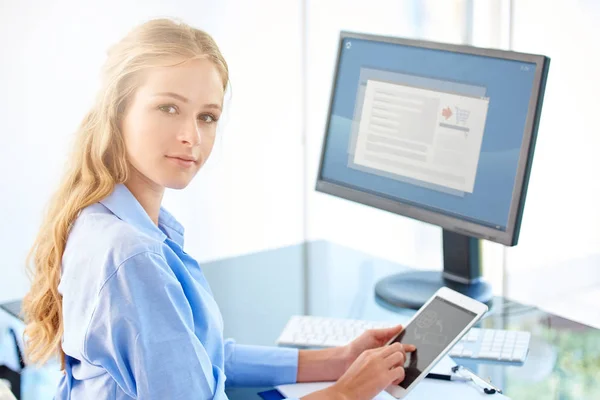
[
  {"x": 562, "y": 212},
  {"x": 557, "y": 261},
  {"x": 248, "y": 198}
]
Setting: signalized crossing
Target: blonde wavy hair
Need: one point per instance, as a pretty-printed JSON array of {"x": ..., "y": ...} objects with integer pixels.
[{"x": 98, "y": 163}]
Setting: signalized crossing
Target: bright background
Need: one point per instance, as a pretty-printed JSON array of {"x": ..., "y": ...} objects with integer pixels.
[{"x": 257, "y": 191}]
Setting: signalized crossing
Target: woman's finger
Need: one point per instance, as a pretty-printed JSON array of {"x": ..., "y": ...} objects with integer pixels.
[
  {"x": 397, "y": 374},
  {"x": 391, "y": 349},
  {"x": 395, "y": 360}
]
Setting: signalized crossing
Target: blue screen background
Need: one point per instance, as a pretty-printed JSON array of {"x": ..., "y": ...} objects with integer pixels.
[{"x": 508, "y": 85}]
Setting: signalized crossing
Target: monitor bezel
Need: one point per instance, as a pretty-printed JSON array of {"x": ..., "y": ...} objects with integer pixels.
[{"x": 507, "y": 237}]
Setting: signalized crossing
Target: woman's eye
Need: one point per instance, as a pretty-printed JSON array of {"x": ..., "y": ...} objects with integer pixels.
[
  {"x": 208, "y": 118},
  {"x": 172, "y": 110},
  {"x": 168, "y": 109}
]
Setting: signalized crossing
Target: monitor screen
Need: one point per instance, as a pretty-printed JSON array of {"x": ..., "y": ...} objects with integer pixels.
[{"x": 436, "y": 129}]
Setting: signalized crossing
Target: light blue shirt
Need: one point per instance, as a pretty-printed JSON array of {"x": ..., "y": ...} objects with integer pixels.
[{"x": 140, "y": 320}]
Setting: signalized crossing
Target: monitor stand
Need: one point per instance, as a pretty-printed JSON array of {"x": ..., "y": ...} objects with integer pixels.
[{"x": 462, "y": 272}]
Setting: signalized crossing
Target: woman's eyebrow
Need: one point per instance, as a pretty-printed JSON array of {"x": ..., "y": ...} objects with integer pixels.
[{"x": 185, "y": 100}]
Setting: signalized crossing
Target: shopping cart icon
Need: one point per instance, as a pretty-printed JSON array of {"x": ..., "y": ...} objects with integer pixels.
[{"x": 462, "y": 115}]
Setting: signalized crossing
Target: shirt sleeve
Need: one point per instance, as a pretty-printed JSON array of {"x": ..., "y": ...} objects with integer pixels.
[
  {"x": 142, "y": 334},
  {"x": 247, "y": 365}
]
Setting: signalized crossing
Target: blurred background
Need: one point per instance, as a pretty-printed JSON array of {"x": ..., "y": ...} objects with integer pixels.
[{"x": 257, "y": 190}]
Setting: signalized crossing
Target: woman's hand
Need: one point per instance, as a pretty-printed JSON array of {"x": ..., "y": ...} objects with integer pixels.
[
  {"x": 371, "y": 372},
  {"x": 371, "y": 339},
  {"x": 370, "y": 366},
  {"x": 331, "y": 364}
]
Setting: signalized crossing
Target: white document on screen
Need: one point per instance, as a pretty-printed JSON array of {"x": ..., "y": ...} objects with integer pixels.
[{"x": 427, "y": 135}]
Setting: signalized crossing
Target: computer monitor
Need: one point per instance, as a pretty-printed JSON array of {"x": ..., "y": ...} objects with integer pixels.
[{"x": 440, "y": 133}]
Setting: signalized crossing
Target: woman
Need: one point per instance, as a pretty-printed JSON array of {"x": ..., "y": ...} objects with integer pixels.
[{"x": 114, "y": 294}]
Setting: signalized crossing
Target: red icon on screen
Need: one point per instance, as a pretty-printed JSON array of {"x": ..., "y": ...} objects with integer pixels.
[{"x": 447, "y": 113}]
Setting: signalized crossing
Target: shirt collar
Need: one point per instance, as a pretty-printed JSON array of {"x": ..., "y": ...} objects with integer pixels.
[
  {"x": 170, "y": 226},
  {"x": 123, "y": 204}
]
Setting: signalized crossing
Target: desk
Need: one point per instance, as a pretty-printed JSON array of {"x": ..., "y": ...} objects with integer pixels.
[{"x": 257, "y": 293}]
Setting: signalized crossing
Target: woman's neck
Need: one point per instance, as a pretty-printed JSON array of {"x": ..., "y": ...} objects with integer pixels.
[{"x": 147, "y": 193}]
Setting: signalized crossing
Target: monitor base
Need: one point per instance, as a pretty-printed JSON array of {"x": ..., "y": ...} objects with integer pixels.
[{"x": 413, "y": 289}]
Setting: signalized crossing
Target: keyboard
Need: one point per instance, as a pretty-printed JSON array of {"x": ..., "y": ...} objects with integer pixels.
[{"x": 478, "y": 343}]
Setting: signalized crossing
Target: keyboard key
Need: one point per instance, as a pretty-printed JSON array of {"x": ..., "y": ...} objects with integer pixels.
[
  {"x": 485, "y": 354},
  {"x": 519, "y": 354},
  {"x": 486, "y": 345},
  {"x": 455, "y": 353},
  {"x": 467, "y": 353},
  {"x": 474, "y": 333},
  {"x": 459, "y": 347},
  {"x": 286, "y": 338},
  {"x": 299, "y": 338},
  {"x": 510, "y": 342},
  {"x": 317, "y": 340}
]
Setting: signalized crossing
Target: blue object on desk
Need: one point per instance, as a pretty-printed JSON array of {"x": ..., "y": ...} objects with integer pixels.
[{"x": 271, "y": 395}]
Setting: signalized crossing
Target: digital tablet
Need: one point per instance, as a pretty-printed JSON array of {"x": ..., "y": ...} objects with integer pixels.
[{"x": 434, "y": 329}]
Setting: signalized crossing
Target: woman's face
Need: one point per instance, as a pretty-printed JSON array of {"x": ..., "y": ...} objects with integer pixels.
[{"x": 170, "y": 124}]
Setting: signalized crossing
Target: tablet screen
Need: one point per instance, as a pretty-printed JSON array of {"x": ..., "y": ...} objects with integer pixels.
[{"x": 434, "y": 329}]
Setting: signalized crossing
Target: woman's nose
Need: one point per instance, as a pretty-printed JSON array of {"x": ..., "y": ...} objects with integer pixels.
[{"x": 191, "y": 134}]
